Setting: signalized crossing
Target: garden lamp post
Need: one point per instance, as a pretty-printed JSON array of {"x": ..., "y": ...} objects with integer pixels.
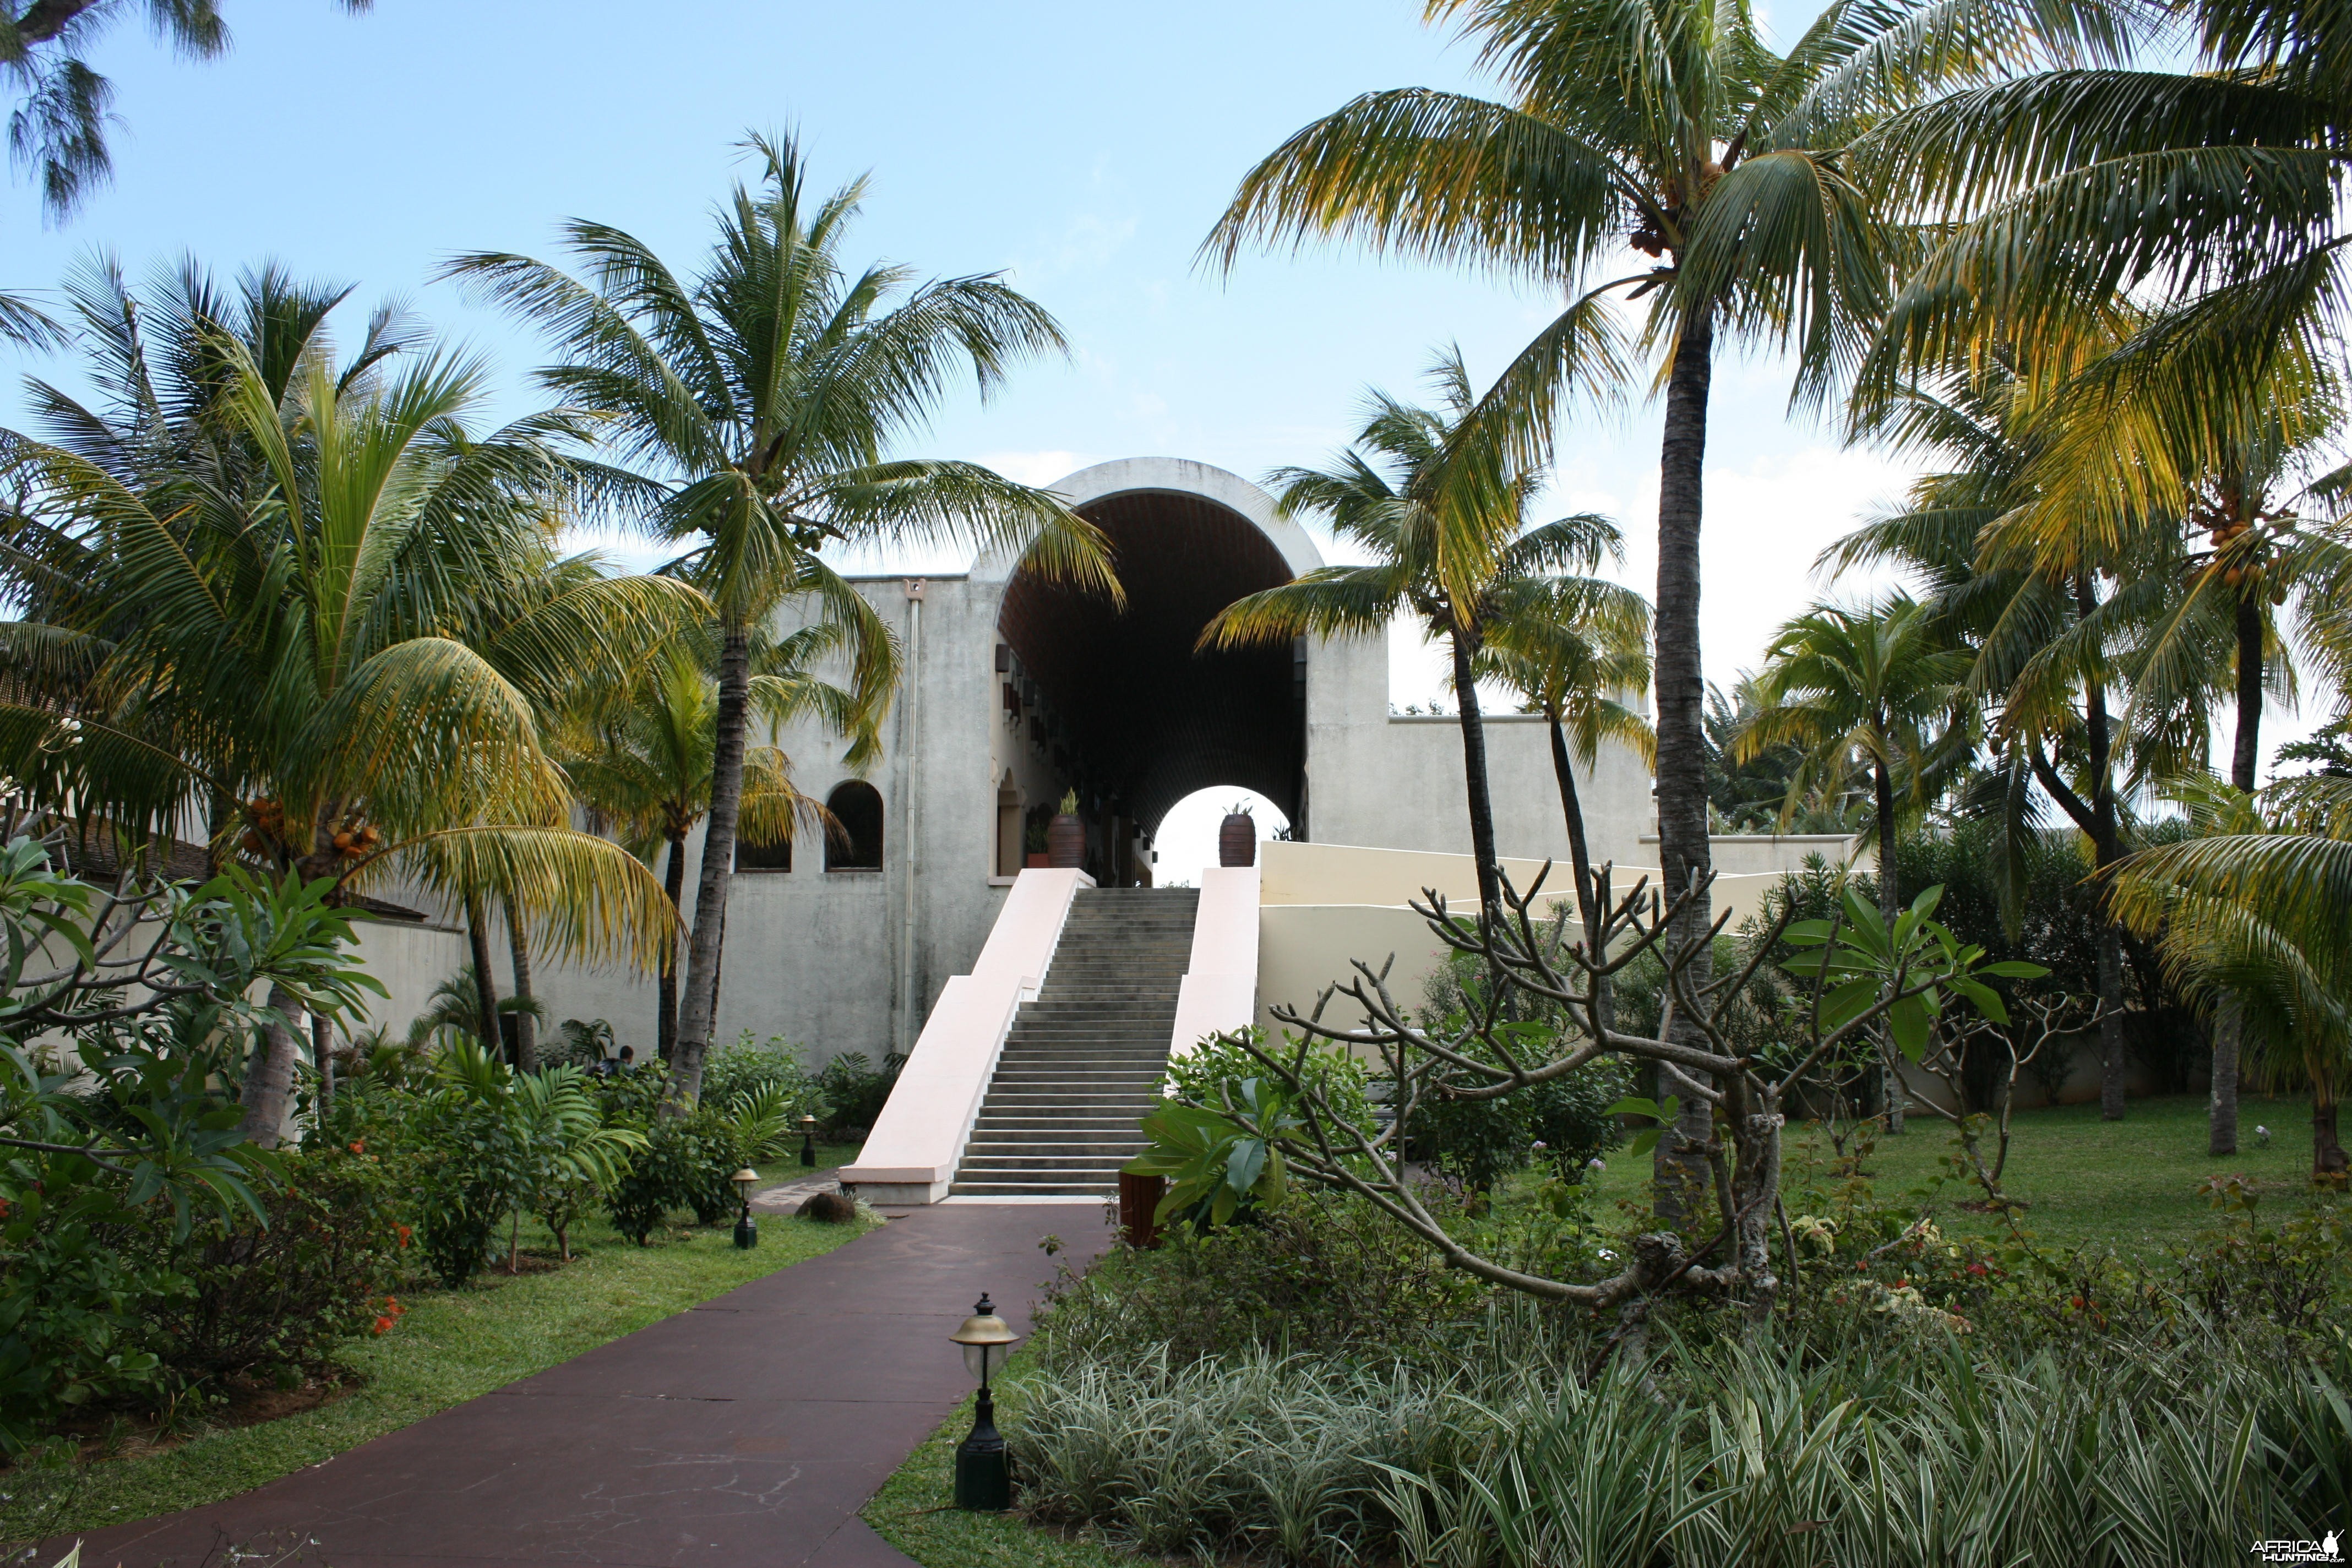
[
  {"x": 983, "y": 1476},
  {"x": 808, "y": 1138},
  {"x": 747, "y": 1235}
]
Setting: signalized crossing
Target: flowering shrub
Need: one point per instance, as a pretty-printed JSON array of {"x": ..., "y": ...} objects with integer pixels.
[{"x": 276, "y": 1295}]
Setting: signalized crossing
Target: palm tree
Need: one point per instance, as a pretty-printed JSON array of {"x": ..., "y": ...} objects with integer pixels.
[
  {"x": 1570, "y": 647},
  {"x": 758, "y": 401},
  {"x": 316, "y": 657},
  {"x": 640, "y": 759},
  {"x": 1880, "y": 683},
  {"x": 2051, "y": 637},
  {"x": 2222, "y": 634},
  {"x": 2209, "y": 194},
  {"x": 1444, "y": 510},
  {"x": 2261, "y": 912},
  {"x": 58, "y": 126},
  {"x": 1671, "y": 128}
]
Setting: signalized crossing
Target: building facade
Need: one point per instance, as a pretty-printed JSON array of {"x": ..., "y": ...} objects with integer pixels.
[{"x": 1019, "y": 690}]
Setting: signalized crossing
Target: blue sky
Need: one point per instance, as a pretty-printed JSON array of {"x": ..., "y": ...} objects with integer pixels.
[{"x": 1085, "y": 148}]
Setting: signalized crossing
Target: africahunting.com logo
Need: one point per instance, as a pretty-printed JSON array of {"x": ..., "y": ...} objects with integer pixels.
[{"x": 2329, "y": 1548}]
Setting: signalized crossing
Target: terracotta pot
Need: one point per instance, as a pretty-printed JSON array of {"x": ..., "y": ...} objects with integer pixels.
[
  {"x": 1040, "y": 859},
  {"x": 1237, "y": 840},
  {"x": 1066, "y": 842}
]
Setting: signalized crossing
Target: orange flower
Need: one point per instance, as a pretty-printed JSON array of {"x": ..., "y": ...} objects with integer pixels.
[
  {"x": 383, "y": 1325},
  {"x": 360, "y": 1147},
  {"x": 405, "y": 1234}
]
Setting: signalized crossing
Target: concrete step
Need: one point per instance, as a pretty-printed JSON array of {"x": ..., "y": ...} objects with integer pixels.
[
  {"x": 1126, "y": 1122},
  {"x": 1084, "y": 1060},
  {"x": 1030, "y": 1164}
]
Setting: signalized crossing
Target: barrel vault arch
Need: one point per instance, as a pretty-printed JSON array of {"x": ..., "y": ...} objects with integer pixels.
[{"x": 1130, "y": 714}]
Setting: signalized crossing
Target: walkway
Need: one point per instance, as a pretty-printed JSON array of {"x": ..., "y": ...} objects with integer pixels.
[{"x": 746, "y": 1432}]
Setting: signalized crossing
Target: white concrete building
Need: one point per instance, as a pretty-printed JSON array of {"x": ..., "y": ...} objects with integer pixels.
[{"x": 1018, "y": 690}]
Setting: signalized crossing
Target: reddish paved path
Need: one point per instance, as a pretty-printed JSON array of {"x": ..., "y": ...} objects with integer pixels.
[{"x": 746, "y": 1432}]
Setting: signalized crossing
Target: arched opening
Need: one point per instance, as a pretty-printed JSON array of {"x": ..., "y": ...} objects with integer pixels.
[
  {"x": 857, "y": 806},
  {"x": 1186, "y": 841},
  {"x": 1118, "y": 706}
]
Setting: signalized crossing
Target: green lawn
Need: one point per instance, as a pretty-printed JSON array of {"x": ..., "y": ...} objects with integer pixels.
[
  {"x": 451, "y": 1346},
  {"x": 2131, "y": 1184}
]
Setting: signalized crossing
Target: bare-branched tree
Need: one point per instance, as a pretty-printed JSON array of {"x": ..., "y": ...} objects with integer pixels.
[{"x": 1860, "y": 974}]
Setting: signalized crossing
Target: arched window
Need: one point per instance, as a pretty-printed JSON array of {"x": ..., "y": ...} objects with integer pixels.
[{"x": 857, "y": 806}]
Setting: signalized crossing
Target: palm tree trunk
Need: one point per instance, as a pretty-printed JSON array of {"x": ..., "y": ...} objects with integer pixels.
[
  {"x": 2106, "y": 847},
  {"x": 1473, "y": 775},
  {"x": 700, "y": 1001},
  {"x": 322, "y": 1056},
  {"x": 2329, "y": 1162},
  {"x": 1890, "y": 1079},
  {"x": 1579, "y": 856},
  {"x": 666, "y": 1019},
  {"x": 1579, "y": 853},
  {"x": 1680, "y": 1165},
  {"x": 268, "y": 1078},
  {"x": 2222, "y": 1102},
  {"x": 526, "y": 1022},
  {"x": 2245, "y": 755},
  {"x": 486, "y": 983},
  {"x": 2096, "y": 818}
]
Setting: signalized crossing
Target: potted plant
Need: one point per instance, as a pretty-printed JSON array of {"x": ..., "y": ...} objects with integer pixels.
[
  {"x": 1237, "y": 838},
  {"x": 1032, "y": 837},
  {"x": 1066, "y": 835}
]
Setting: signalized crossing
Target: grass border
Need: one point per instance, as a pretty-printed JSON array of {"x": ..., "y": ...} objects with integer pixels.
[
  {"x": 915, "y": 1511},
  {"x": 452, "y": 1346}
]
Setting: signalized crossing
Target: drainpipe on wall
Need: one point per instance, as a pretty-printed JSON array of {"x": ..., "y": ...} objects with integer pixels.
[{"x": 907, "y": 815}]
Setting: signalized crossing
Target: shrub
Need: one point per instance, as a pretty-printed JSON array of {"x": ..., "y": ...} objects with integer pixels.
[
  {"x": 746, "y": 1067},
  {"x": 280, "y": 1296},
  {"x": 685, "y": 1165},
  {"x": 642, "y": 1198},
  {"x": 1319, "y": 1271},
  {"x": 855, "y": 1089},
  {"x": 72, "y": 1323},
  {"x": 1765, "y": 1454},
  {"x": 1563, "y": 1123},
  {"x": 474, "y": 1170},
  {"x": 1220, "y": 1058}
]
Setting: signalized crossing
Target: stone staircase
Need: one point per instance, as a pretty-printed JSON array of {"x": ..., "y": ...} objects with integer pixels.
[{"x": 1084, "y": 1060}]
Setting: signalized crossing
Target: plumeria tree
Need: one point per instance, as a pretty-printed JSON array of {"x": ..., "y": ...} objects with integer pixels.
[{"x": 1853, "y": 974}]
